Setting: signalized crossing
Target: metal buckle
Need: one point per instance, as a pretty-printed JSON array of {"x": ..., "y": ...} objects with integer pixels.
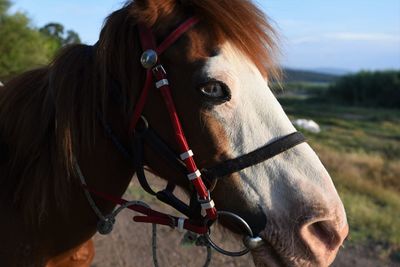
[
  {"x": 202, "y": 201},
  {"x": 173, "y": 222},
  {"x": 142, "y": 127},
  {"x": 158, "y": 68}
]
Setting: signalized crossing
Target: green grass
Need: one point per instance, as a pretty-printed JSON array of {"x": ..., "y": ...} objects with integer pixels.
[
  {"x": 351, "y": 128},
  {"x": 300, "y": 89},
  {"x": 360, "y": 147}
]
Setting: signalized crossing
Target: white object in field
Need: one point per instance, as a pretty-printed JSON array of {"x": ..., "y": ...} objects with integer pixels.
[
  {"x": 1, "y": 84},
  {"x": 308, "y": 125}
]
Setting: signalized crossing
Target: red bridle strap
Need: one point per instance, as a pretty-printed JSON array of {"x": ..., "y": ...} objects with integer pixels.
[
  {"x": 194, "y": 173},
  {"x": 152, "y": 215},
  {"x": 176, "y": 34},
  {"x": 147, "y": 42},
  {"x": 162, "y": 83}
]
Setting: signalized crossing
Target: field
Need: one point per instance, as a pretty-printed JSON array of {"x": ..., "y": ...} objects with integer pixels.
[{"x": 360, "y": 147}]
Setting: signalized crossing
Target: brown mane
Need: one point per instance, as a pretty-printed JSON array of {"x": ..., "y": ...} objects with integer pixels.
[{"x": 49, "y": 114}]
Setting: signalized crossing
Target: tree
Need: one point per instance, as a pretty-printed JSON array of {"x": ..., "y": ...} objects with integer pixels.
[
  {"x": 380, "y": 88},
  {"x": 71, "y": 38},
  {"x": 23, "y": 47},
  {"x": 54, "y": 30},
  {"x": 56, "y": 37},
  {"x": 4, "y": 6}
]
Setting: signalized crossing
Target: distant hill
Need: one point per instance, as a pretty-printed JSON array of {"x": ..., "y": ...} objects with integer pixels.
[
  {"x": 332, "y": 71},
  {"x": 292, "y": 75}
]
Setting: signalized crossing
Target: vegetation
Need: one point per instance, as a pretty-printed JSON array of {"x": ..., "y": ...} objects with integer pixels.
[
  {"x": 23, "y": 46},
  {"x": 300, "y": 89},
  {"x": 56, "y": 37},
  {"x": 361, "y": 149},
  {"x": 368, "y": 89},
  {"x": 291, "y": 75}
]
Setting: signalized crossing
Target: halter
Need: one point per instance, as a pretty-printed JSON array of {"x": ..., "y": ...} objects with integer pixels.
[{"x": 182, "y": 160}]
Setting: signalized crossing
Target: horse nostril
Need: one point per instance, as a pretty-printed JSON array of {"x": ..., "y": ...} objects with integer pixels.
[
  {"x": 325, "y": 233},
  {"x": 323, "y": 238}
]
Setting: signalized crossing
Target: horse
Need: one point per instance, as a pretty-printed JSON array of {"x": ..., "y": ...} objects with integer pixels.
[{"x": 65, "y": 130}]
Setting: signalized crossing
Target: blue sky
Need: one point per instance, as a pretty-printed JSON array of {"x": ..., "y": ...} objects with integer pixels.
[{"x": 349, "y": 35}]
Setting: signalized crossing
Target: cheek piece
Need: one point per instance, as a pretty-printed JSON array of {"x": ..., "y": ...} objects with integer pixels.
[{"x": 157, "y": 75}]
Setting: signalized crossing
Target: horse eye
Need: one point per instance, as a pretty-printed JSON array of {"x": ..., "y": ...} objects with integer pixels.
[{"x": 215, "y": 91}]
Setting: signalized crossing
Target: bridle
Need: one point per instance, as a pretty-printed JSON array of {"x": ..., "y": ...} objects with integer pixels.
[{"x": 183, "y": 161}]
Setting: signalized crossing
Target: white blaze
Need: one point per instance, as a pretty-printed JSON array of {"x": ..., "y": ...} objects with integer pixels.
[{"x": 253, "y": 118}]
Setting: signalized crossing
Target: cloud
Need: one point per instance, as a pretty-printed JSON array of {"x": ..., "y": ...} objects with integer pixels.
[
  {"x": 368, "y": 37},
  {"x": 347, "y": 36},
  {"x": 306, "y": 40}
]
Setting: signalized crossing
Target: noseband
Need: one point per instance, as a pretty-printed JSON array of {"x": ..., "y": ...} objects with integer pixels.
[{"x": 183, "y": 161}]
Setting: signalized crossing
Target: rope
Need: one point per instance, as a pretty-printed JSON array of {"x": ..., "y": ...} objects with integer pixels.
[
  {"x": 87, "y": 194},
  {"x": 154, "y": 245},
  {"x": 209, "y": 255},
  {"x": 202, "y": 241}
]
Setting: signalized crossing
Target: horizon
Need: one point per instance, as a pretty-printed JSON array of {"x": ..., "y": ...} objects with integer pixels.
[{"x": 314, "y": 35}]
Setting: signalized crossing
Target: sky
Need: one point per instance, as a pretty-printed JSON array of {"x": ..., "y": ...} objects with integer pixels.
[{"x": 348, "y": 35}]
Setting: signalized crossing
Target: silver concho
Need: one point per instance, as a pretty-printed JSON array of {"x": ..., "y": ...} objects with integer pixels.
[
  {"x": 253, "y": 242},
  {"x": 149, "y": 58},
  {"x": 105, "y": 226}
]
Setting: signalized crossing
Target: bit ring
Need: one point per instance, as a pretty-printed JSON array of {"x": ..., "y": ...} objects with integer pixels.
[{"x": 223, "y": 251}]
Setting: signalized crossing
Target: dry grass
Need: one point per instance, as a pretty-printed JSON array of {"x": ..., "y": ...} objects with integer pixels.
[
  {"x": 361, "y": 150},
  {"x": 364, "y": 170}
]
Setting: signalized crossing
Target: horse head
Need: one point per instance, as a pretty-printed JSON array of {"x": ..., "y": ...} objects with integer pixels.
[{"x": 219, "y": 72}]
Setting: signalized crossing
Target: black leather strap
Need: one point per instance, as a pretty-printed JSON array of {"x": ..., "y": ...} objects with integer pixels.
[
  {"x": 158, "y": 145},
  {"x": 167, "y": 196},
  {"x": 139, "y": 166},
  {"x": 257, "y": 156}
]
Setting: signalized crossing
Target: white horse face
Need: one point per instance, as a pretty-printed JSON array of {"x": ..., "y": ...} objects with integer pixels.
[{"x": 302, "y": 217}]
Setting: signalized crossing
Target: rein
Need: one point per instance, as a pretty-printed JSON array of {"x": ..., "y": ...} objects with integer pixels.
[{"x": 201, "y": 213}]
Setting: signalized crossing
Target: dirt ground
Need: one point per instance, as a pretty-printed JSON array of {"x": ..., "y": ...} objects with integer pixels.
[{"x": 129, "y": 245}]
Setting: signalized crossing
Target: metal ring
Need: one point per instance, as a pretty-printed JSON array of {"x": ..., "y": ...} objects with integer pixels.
[
  {"x": 223, "y": 251},
  {"x": 141, "y": 130}
]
